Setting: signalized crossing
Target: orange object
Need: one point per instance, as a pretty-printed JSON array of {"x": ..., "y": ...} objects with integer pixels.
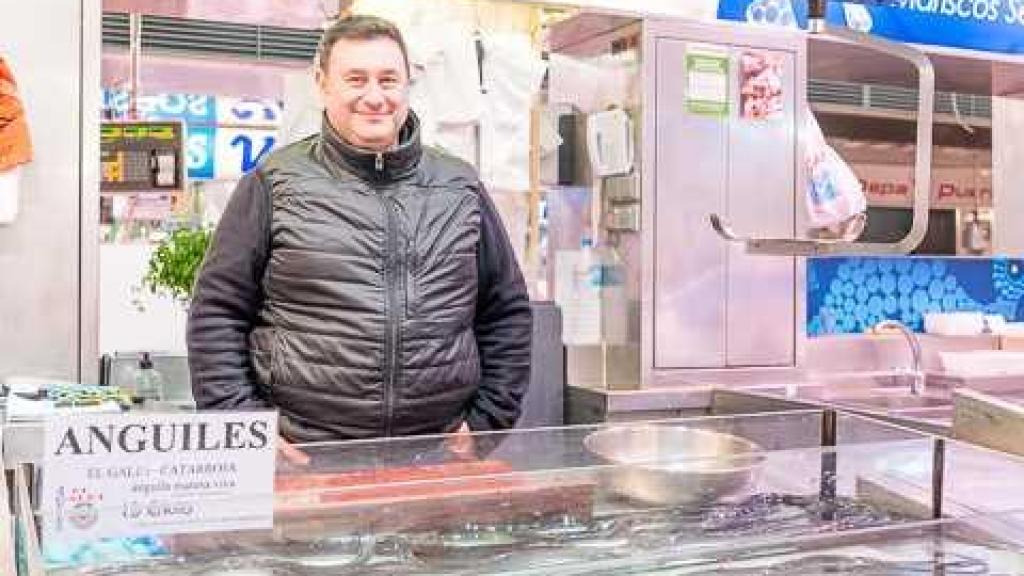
[
  {"x": 430, "y": 496},
  {"x": 15, "y": 146},
  {"x": 384, "y": 483}
]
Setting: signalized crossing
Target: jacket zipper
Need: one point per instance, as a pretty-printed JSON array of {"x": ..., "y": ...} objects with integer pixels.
[{"x": 391, "y": 275}]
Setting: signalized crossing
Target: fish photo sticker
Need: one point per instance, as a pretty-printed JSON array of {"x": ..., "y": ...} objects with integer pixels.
[{"x": 761, "y": 94}]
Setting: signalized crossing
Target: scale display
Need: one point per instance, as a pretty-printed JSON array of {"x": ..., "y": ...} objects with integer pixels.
[{"x": 139, "y": 156}]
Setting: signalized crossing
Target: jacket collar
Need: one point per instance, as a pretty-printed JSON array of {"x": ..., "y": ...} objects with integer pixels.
[{"x": 394, "y": 164}]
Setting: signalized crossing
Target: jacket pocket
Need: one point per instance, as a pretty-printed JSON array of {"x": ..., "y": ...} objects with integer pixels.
[{"x": 466, "y": 280}]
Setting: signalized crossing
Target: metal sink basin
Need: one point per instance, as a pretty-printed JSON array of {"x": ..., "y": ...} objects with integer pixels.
[
  {"x": 866, "y": 393},
  {"x": 881, "y": 395},
  {"x": 942, "y": 414},
  {"x": 892, "y": 401}
]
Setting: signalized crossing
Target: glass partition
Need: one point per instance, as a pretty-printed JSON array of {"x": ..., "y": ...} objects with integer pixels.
[{"x": 738, "y": 495}]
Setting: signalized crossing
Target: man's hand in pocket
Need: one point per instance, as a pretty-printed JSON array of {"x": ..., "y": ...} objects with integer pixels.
[
  {"x": 460, "y": 444},
  {"x": 289, "y": 453}
]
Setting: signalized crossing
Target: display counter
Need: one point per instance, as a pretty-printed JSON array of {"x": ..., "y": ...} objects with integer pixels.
[{"x": 785, "y": 493}]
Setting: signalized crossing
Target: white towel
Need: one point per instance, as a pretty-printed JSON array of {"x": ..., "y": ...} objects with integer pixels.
[{"x": 10, "y": 182}]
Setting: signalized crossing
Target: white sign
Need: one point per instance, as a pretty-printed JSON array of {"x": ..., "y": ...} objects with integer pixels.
[
  {"x": 707, "y": 82},
  {"x": 239, "y": 150},
  {"x": 255, "y": 112},
  {"x": 157, "y": 473}
]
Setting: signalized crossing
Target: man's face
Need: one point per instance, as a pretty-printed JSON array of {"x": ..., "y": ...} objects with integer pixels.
[{"x": 365, "y": 90}]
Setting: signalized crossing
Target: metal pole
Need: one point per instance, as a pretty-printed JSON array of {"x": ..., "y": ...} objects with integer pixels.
[
  {"x": 827, "y": 490},
  {"x": 134, "y": 63},
  {"x": 938, "y": 476}
]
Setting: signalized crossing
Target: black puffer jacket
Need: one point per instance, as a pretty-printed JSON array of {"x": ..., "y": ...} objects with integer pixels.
[{"x": 363, "y": 295}]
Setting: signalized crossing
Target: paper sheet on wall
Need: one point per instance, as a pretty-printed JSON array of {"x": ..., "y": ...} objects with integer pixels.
[
  {"x": 445, "y": 79},
  {"x": 505, "y": 148},
  {"x": 445, "y": 83},
  {"x": 707, "y": 82},
  {"x": 512, "y": 76},
  {"x": 459, "y": 140}
]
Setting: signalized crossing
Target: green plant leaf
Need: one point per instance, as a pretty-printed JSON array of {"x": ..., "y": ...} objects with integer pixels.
[{"x": 175, "y": 262}]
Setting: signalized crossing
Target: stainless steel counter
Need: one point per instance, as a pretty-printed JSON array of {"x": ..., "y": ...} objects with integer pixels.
[{"x": 857, "y": 373}]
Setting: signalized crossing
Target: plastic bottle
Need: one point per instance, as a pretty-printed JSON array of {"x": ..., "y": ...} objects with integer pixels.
[
  {"x": 603, "y": 276},
  {"x": 149, "y": 385},
  {"x": 614, "y": 305},
  {"x": 589, "y": 270}
]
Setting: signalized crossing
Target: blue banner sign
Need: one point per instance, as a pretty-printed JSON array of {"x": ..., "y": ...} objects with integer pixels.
[
  {"x": 190, "y": 108},
  {"x": 849, "y": 295},
  {"x": 225, "y": 137},
  {"x": 986, "y": 25}
]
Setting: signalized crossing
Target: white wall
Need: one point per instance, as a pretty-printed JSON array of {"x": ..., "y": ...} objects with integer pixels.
[
  {"x": 40, "y": 303},
  {"x": 1008, "y": 175},
  {"x": 158, "y": 326}
]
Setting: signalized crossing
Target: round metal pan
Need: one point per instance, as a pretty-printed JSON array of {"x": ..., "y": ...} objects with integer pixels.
[{"x": 673, "y": 465}]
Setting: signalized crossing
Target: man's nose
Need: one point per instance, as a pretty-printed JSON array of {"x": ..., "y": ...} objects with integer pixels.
[{"x": 374, "y": 95}]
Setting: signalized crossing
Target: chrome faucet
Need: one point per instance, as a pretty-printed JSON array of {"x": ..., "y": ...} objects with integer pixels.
[{"x": 916, "y": 377}]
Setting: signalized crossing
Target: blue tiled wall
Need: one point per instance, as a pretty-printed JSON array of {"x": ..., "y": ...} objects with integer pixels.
[{"x": 848, "y": 295}]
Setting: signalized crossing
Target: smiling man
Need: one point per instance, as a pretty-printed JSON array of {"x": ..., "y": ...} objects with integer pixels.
[{"x": 359, "y": 282}]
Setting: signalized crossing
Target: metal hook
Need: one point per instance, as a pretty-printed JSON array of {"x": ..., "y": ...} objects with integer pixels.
[{"x": 922, "y": 162}]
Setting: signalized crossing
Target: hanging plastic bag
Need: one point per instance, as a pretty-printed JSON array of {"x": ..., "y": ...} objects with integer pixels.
[{"x": 835, "y": 196}]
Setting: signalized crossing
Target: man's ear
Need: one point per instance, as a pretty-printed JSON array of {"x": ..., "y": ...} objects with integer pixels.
[{"x": 320, "y": 77}]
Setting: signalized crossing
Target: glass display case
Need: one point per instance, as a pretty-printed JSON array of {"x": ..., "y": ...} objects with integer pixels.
[{"x": 806, "y": 492}]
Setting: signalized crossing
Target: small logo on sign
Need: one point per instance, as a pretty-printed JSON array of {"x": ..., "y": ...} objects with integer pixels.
[
  {"x": 83, "y": 515},
  {"x": 83, "y": 511}
]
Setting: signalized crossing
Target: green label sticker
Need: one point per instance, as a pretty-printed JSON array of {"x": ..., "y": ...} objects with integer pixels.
[{"x": 707, "y": 84}]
